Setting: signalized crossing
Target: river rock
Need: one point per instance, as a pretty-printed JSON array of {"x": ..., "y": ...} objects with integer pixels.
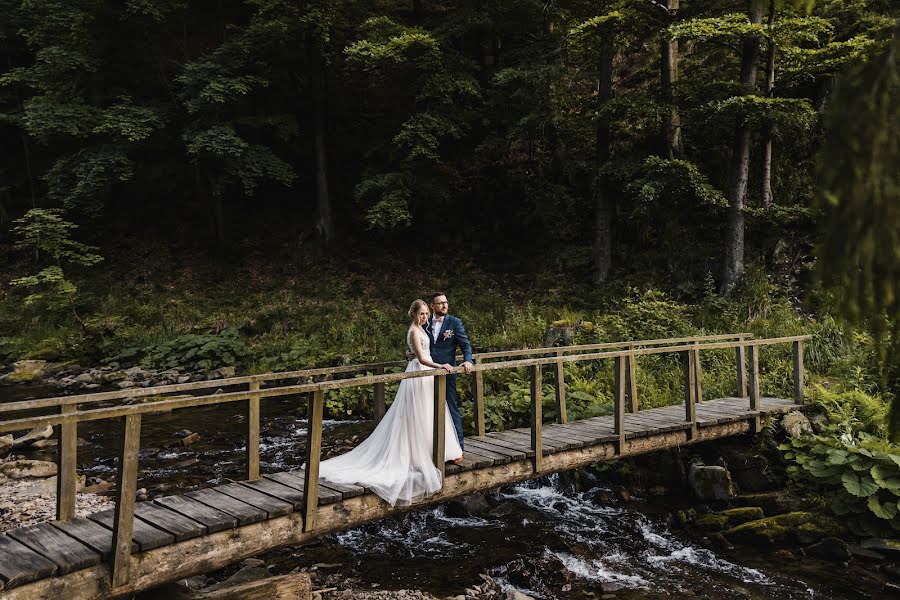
[
  {"x": 783, "y": 529},
  {"x": 245, "y": 575},
  {"x": 190, "y": 439},
  {"x": 796, "y": 424},
  {"x": 38, "y": 433},
  {"x": 84, "y": 378},
  {"x": 473, "y": 505},
  {"x": 831, "y": 548},
  {"x": 887, "y": 546},
  {"x": 28, "y": 370},
  {"x": 710, "y": 483},
  {"x": 20, "y": 469},
  {"x": 772, "y": 503},
  {"x": 6, "y": 442},
  {"x": 517, "y": 595}
]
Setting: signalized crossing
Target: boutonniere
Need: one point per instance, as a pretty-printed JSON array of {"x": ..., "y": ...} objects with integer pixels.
[{"x": 448, "y": 334}]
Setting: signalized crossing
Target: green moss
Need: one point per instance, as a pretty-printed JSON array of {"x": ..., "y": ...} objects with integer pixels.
[
  {"x": 737, "y": 516},
  {"x": 712, "y": 522},
  {"x": 22, "y": 377},
  {"x": 782, "y": 529}
]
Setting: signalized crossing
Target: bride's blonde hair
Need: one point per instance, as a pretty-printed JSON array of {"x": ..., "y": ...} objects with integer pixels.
[{"x": 414, "y": 310}]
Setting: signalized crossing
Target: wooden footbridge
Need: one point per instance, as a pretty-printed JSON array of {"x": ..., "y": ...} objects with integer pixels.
[{"x": 139, "y": 545}]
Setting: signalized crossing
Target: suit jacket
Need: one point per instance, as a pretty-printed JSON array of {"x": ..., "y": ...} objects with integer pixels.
[{"x": 451, "y": 336}]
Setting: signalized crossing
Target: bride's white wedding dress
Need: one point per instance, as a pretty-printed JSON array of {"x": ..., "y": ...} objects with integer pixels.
[{"x": 395, "y": 460}]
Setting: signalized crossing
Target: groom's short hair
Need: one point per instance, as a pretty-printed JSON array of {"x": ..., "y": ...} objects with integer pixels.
[{"x": 435, "y": 295}]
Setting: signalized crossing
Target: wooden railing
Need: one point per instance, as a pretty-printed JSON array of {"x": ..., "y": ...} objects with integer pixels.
[{"x": 69, "y": 415}]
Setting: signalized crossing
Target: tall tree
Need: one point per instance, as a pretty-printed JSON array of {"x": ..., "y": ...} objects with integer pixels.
[
  {"x": 739, "y": 164},
  {"x": 768, "y": 90},
  {"x": 669, "y": 76}
]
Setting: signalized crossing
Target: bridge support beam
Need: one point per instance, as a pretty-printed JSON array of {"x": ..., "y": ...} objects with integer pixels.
[
  {"x": 478, "y": 399},
  {"x": 253, "y": 432},
  {"x": 123, "y": 525},
  {"x": 619, "y": 408},
  {"x": 439, "y": 440},
  {"x": 378, "y": 393},
  {"x": 562, "y": 413},
  {"x": 753, "y": 356},
  {"x": 67, "y": 477},
  {"x": 631, "y": 381},
  {"x": 689, "y": 364},
  {"x": 799, "y": 372},
  {"x": 313, "y": 456},
  {"x": 740, "y": 356},
  {"x": 537, "y": 419}
]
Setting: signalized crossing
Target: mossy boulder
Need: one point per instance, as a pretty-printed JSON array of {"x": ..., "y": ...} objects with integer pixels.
[
  {"x": 712, "y": 522},
  {"x": 782, "y": 529},
  {"x": 772, "y": 503},
  {"x": 743, "y": 514}
]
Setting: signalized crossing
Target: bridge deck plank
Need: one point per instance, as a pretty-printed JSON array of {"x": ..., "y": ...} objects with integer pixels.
[
  {"x": 294, "y": 479},
  {"x": 512, "y": 445},
  {"x": 20, "y": 564},
  {"x": 496, "y": 456},
  {"x": 66, "y": 552},
  {"x": 90, "y": 534},
  {"x": 243, "y": 512},
  {"x": 212, "y": 519},
  {"x": 146, "y": 536},
  {"x": 163, "y": 518},
  {"x": 277, "y": 490},
  {"x": 273, "y": 506},
  {"x": 511, "y": 455}
]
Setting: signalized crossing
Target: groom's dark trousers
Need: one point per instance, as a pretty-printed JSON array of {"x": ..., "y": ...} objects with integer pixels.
[{"x": 451, "y": 335}]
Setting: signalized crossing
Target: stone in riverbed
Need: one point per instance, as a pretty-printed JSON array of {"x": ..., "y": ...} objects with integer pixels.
[
  {"x": 28, "y": 370},
  {"x": 84, "y": 378},
  {"x": 38, "y": 433},
  {"x": 473, "y": 505},
  {"x": 831, "y": 548},
  {"x": 782, "y": 529},
  {"x": 6, "y": 442},
  {"x": 796, "y": 424},
  {"x": 20, "y": 469},
  {"x": 886, "y": 546},
  {"x": 710, "y": 483},
  {"x": 772, "y": 503}
]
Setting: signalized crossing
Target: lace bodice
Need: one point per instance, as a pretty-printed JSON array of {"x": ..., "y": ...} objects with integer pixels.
[{"x": 417, "y": 336}]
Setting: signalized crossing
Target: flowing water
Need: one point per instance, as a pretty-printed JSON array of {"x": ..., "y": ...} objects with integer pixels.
[{"x": 547, "y": 538}]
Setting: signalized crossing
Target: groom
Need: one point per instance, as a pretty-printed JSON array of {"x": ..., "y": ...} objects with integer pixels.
[{"x": 445, "y": 333}]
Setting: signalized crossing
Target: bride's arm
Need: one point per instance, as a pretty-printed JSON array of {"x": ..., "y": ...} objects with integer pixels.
[{"x": 420, "y": 353}]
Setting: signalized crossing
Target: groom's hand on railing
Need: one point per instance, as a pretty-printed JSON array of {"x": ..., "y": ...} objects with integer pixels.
[
  {"x": 448, "y": 367},
  {"x": 467, "y": 366}
]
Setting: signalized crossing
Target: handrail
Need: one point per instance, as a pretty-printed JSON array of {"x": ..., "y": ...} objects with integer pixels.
[
  {"x": 275, "y": 376},
  {"x": 70, "y": 416}
]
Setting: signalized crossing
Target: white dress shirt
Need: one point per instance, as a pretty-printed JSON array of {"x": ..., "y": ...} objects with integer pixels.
[{"x": 436, "y": 324}]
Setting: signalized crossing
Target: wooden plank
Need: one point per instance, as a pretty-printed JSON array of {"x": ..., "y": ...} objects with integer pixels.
[
  {"x": 510, "y": 454},
  {"x": 547, "y": 439},
  {"x": 181, "y": 527},
  {"x": 690, "y": 388},
  {"x": 597, "y": 433},
  {"x": 253, "y": 432},
  {"x": 698, "y": 382},
  {"x": 799, "y": 372},
  {"x": 560, "y": 389},
  {"x": 297, "y": 480},
  {"x": 67, "y": 477},
  {"x": 520, "y": 440},
  {"x": 123, "y": 523},
  {"x": 272, "y": 506},
  {"x": 438, "y": 445},
  {"x": 631, "y": 383},
  {"x": 497, "y": 458},
  {"x": 619, "y": 403},
  {"x": 564, "y": 433},
  {"x": 276, "y": 490},
  {"x": 67, "y": 553},
  {"x": 547, "y": 443},
  {"x": 753, "y": 357},
  {"x": 378, "y": 394},
  {"x": 243, "y": 512},
  {"x": 313, "y": 456},
  {"x": 537, "y": 418},
  {"x": 143, "y": 534},
  {"x": 478, "y": 399},
  {"x": 741, "y": 362},
  {"x": 511, "y": 444},
  {"x": 478, "y": 459},
  {"x": 213, "y": 519},
  {"x": 20, "y": 564},
  {"x": 90, "y": 534}
]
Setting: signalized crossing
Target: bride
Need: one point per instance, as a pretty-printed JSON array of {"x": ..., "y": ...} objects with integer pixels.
[{"x": 395, "y": 461}]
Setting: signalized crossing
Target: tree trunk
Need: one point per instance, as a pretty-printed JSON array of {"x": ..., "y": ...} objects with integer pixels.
[
  {"x": 602, "y": 198},
  {"x": 739, "y": 166},
  {"x": 324, "y": 223},
  {"x": 766, "y": 181},
  {"x": 669, "y": 73}
]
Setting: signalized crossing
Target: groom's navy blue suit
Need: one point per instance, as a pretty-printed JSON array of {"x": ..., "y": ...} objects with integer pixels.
[{"x": 451, "y": 335}]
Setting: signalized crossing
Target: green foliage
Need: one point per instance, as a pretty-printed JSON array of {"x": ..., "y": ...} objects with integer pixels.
[
  {"x": 190, "y": 351},
  {"x": 45, "y": 234},
  {"x": 850, "y": 463}
]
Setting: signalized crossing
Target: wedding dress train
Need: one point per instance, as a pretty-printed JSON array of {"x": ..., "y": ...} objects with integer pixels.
[{"x": 395, "y": 460}]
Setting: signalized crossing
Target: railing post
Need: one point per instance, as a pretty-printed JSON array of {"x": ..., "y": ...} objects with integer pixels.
[
  {"x": 690, "y": 388},
  {"x": 313, "y": 455},
  {"x": 631, "y": 381},
  {"x": 67, "y": 476},
  {"x": 123, "y": 525},
  {"x": 619, "y": 407},
  {"x": 439, "y": 440},
  {"x": 562, "y": 413},
  {"x": 537, "y": 419},
  {"x": 753, "y": 355},
  {"x": 253, "y": 432},
  {"x": 379, "y": 396},
  {"x": 478, "y": 399},
  {"x": 698, "y": 383},
  {"x": 741, "y": 360},
  {"x": 799, "y": 372}
]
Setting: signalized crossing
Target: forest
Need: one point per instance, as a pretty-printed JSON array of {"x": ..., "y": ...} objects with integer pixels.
[{"x": 198, "y": 188}]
